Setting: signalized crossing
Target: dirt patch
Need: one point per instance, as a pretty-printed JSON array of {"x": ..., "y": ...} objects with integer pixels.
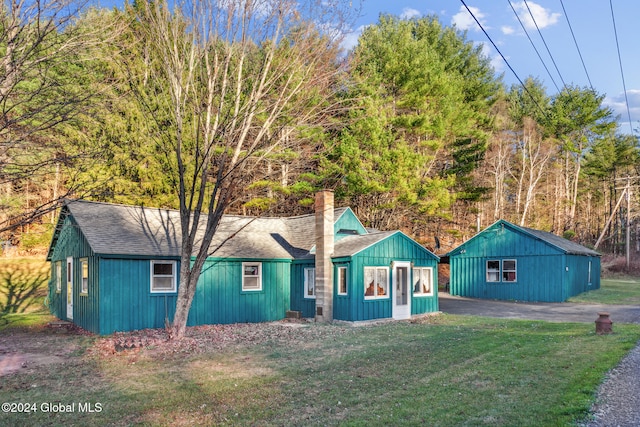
[
  {"x": 24, "y": 351},
  {"x": 10, "y": 363}
]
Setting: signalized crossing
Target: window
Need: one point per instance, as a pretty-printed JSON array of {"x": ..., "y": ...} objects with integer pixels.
[
  {"x": 342, "y": 280},
  {"x": 251, "y": 276},
  {"x": 309, "y": 282},
  {"x": 376, "y": 282},
  {"x": 502, "y": 271},
  {"x": 493, "y": 270},
  {"x": 163, "y": 276},
  {"x": 58, "y": 276},
  {"x": 84, "y": 268},
  {"x": 423, "y": 281},
  {"x": 509, "y": 270}
]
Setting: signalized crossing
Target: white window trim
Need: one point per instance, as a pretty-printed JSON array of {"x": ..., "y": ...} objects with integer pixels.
[
  {"x": 174, "y": 286},
  {"x": 346, "y": 280},
  {"x": 306, "y": 283},
  {"x": 84, "y": 281},
  {"x": 429, "y": 273},
  {"x": 375, "y": 295},
  {"x": 486, "y": 267},
  {"x": 259, "y": 276},
  {"x": 58, "y": 277},
  {"x": 515, "y": 270}
]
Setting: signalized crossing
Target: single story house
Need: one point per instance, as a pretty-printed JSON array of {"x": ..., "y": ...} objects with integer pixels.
[
  {"x": 509, "y": 262},
  {"x": 116, "y": 267}
]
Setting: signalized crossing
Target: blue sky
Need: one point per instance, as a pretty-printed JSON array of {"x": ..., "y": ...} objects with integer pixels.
[{"x": 592, "y": 24}]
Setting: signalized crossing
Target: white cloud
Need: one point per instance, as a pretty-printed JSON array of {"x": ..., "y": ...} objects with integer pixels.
[
  {"x": 408, "y": 13},
  {"x": 507, "y": 30},
  {"x": 543, "y": 17},
  {"x": 498, "y": 63},
  {"x": 618, "y": 104},
  {"x": 494, "y": 58},
  {"x": 464, "y": 21},
  {"x": 350, "y": 40}
]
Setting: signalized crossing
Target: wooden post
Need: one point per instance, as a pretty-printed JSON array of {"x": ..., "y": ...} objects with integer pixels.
[{"x": 628, "y": 226}]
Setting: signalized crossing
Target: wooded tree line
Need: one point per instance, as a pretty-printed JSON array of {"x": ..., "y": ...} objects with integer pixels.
[{"x": 250, "y": 107}]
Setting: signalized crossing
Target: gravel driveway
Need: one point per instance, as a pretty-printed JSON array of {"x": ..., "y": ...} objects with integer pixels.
[{"x": 618, "y": 398}]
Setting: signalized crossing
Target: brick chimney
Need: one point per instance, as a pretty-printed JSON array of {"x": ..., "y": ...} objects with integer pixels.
[{"x": 324, "y": 250}]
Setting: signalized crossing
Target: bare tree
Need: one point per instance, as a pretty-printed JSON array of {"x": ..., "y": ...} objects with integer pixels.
[
  {"x": 234, "y": 80},
  {"x": 534, "y": 156},
  {"x": 498, "y": 165},
  {"x": 40, "y": 47}
]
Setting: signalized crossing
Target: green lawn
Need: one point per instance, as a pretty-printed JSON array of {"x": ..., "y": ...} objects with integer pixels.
[
  {"x": 443, "y": 371},
  {"x": 23, "y": 286},
  {"x": 612, "y": 291}
]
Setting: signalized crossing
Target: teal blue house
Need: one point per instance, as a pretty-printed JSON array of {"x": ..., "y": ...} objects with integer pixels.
[
  {"x": 509, "y": 262},
  {"x": 115, "y": 268}
]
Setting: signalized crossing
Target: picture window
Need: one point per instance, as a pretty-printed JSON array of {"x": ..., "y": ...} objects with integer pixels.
[
  {"x": 423, "y": 281},
  {"x": 376, "y": 282}
]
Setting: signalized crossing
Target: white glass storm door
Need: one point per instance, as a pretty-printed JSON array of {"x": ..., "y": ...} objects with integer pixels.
[{"x": 401, "y": 287}]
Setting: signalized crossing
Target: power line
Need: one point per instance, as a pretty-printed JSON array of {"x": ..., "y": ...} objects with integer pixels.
[
  {"x": 504, "y": 59},
  {"x": 624, "y": 86},
  {"x": 576, "y": 43},
  {"x": 533, "y": 45},
  {"x": 545, "y": 43}
]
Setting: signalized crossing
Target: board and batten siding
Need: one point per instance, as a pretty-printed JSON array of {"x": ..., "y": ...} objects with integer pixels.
[
  {"x": 126, "y": 299},
  {"x": 72, "y": 243},
  {"x": 306, "y": 306},
  {"x": 396, "y": 247},
  {"x": 583, "y": 274},
  {"x": 220, "y": 299},
  {"x": 539, "y": 278}
]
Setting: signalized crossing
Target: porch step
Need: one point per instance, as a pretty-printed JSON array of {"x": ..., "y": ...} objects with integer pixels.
[
  {"x": 291, "y": 314},
  {"x": 60, "y": 325}
]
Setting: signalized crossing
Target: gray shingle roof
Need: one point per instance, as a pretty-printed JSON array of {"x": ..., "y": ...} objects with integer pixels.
[
  {"x": 566, "y": 245},
  {"x": 301, "y": 229},
  {"x": 113, "y": 229},
  {"x": 353, "y": 244}
]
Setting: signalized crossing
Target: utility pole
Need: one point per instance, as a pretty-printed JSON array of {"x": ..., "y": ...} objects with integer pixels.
[
  {"x": 628, "y": 226},
  {"x": 626, "y": 195}
]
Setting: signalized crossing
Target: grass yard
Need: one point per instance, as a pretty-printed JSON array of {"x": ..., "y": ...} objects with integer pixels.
[
  {"x": 444, "y": 370},
  {"x": 23, "y": 287},
  {"x": 625, "y": 290}
]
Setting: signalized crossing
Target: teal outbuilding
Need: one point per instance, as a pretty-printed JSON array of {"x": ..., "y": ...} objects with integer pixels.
[
  {"x": 509, "y": 262},
  {"x": 115, "y": 268}
]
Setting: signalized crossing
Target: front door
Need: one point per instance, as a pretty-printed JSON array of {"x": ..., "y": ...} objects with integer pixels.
[
  {"x": 401, "y": 296},
  {"x": 69, "y": 288}
]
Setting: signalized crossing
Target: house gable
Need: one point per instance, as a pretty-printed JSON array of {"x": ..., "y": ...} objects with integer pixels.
[
  {"x": 505, "y": 239},
  {"x": 346, "y": 224},
  {"x": 509, "y": 262}
]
